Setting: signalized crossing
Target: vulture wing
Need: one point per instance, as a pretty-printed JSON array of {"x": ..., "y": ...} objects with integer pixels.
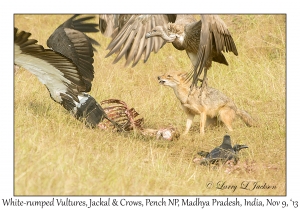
[
  {"x": 69, "y": 40},
  {"x": 61, "y": 76},
  {"x": 57, "y": 72},
  {"x": 130, "y": 39},
  {"x": 214, "y": 38},
  {"x": 109, "y": 25}
]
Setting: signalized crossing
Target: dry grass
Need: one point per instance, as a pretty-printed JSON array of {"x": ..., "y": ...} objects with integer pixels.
[{"x": 56, "y": 155}]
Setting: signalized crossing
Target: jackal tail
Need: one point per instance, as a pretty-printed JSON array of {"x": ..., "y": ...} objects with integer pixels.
[{"x": 246, "y": 117}]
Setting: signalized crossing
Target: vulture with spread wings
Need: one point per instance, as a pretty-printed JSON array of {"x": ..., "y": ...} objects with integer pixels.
[
  {"x": 66, "y": 69},
  {"x": 128, "y": 33},
  {"x": 203, "y": 40}
]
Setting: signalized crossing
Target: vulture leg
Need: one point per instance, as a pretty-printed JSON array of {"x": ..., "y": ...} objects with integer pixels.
[{"x": 204, "y": 82}]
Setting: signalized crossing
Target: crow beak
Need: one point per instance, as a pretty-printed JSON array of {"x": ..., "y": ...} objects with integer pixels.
[{"x": 243, "y": 147}]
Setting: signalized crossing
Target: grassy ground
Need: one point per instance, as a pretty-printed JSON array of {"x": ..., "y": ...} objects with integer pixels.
[{"x": 54, "y": 154}]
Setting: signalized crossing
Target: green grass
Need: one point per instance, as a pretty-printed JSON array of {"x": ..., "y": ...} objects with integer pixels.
[{"x": 54, "y": 154}]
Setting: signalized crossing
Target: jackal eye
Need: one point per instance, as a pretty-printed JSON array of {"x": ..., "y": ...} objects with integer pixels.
[
  {"x": 154, "y": 30},
  {"x": 169, "y": 76}
]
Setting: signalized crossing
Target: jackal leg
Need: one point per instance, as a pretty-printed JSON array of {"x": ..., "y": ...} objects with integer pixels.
[
  {"x": 189, "y": 122},
  {"x": 202, "y": 122},
  {"x": 227, "y": 116}
]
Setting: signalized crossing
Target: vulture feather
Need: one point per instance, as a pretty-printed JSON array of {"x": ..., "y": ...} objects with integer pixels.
[
  {"x": 203, "y": 40},
  {"x": 128, "y": 33},
  {"x": 215, "y": 38},
  {"x": 67, "y": 69}
]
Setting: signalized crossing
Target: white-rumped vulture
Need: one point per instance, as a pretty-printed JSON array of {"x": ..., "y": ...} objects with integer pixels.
[
  {"x": 128, "y": 33},
  {"x": 66, "y": 69},
  {"x": 203, "y": 40}
]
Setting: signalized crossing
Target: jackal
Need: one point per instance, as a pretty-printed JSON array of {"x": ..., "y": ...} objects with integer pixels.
[{"x": 210, "y": 103}]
